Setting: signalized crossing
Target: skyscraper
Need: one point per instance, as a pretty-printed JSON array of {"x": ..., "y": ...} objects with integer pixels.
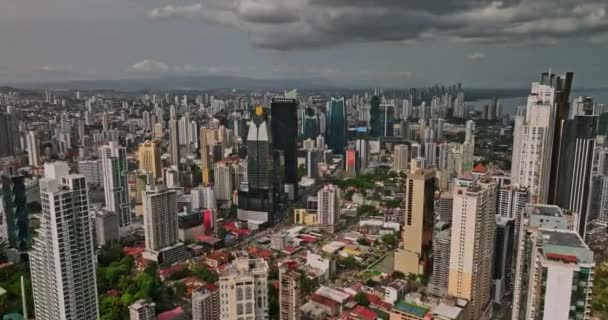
[
  {"x": 206, "y": 303},
  {"x": 439, "y": 280},
  {"x": 284, "y": 127},
  {"x": 576, "y": 160},
  {"x": 204, "y": 149},
  {"x": 149, "y": 158},
  {"x": 375, "y": 121},
  {"x": 33, "y": 149},
  {"x": 62, "y": 258},
  {"x": 503, "y": 256},
  {"x": 223, "y": 177},
  {"x": 174, "y": 141},
  {"x": 161, "y": 225},
  {"x": 289, "y": 291},
  {"x": 401, "y": 158},
  {"x": 115, "y": 182},
  {"x": 244, "y": 290},
  {"x": 468, "y": 147},
  {"x": 310, "y": 124},
  {"x": 8, "y": 135},
  {"x": 472, "y": 245},
  {"x": 533, "y": 143},
  {"x": 14, "y": 219},
  {"x": 554, "y": 272},
  {"x": 259, "y": 153},
  {"x": 413, "y": 257},
  {"x": 362, "y": 147},
  {"x": 336, "y": 125},
  {"x": 328, "y": 210},
  {"x": 561, "y": 86}
]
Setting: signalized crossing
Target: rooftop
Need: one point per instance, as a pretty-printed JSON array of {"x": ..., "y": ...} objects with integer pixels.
[
  {"x": 547, "y": 210},
  {"x": 566, "y": 246},
  {"x": 411, "y": 309}
]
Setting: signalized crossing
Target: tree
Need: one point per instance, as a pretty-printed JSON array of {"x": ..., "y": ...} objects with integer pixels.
[
  {"x": 306, "y": 284},
  {"x": 350, "y": 262},
  {"x": 361, "y": 299},
  {"x": 390, "y": 240},
  {"x": 363, "y": 242},
  {"x": 109, "y": 253},
  {"x": 301, "y": 171},
  {"x": 109, "y": 308},
  {"x": 398, "y": 275},
  {"x": 204, "y": 274},
  {"x": 392, "y": 203},
  {"x": 367, "y": 210},
  {"x": 599, "y": 304}
]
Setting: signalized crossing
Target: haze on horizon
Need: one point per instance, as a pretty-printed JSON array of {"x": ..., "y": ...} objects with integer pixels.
[{"x": 349, "y": 42}]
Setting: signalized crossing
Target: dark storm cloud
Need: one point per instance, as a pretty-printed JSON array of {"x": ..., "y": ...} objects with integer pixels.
[{"x": 296, "y": 24}]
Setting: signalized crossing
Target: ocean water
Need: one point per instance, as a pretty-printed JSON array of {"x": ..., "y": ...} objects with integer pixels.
[{"x": 509, "y": 105}]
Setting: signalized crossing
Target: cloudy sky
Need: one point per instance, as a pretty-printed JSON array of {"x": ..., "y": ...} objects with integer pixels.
[{"x": 355, "y": 42}]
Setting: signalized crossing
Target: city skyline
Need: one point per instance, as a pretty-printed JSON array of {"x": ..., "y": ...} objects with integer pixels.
[{"x": 495, "y": 44}]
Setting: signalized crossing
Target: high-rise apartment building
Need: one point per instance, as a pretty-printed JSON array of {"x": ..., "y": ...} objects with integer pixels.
[
  {"x": 533, "y": 143},
  {"x": 244, "y": 290},
  {"x": 375, "y": 122},
  {"x": 33, "y": 148},
  {"x": 14, "y": 214},
  {"x": 284, "y": 127},
  {"x": 439, "y": 280},
  {"x": 204, "y": 149},
  {"x": 206, "y": 303},
  {"x": 259, "y": 153},
  {"x": 289, "y": 291},
  {"x": 62, "y": 259},
  {"x": 328, "y": 211},
  {"x": 115, "y": 182},
  {"x": 401, "y": 158},
  {"x": 554, "y": 273},
  {"x": 149, "y": 158},
  {"x": 538, "y": 135},
  {"x": 9, "y": 135},
  {"x": 161, "y": 225},
  {"x": 362, "y": 147},
  {"x": 414, "y": 255},
  {"x": 92, "y": 171},
  {"x": 503, "y": 256},
  {"x": 174, "y": 142},
  {"x": 561, "y": 85},
  {"x": 576, "y": 164},
  {"x": 472, "y": 245},
  {"x": 468, "y": 147},
  {"x": 223, "y": 180},
  {"x": 310, "y": 124},
  {"x": 335, "y": 131},
  {"x": 142, "y": 310}
]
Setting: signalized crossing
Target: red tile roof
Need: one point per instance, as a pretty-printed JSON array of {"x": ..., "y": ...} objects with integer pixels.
[
  {"x": 171, "y": 314},
  {"x": 480, "y": 168},
  {"x": 324, "y": 301},
  {"x": 364, "y": 313}
]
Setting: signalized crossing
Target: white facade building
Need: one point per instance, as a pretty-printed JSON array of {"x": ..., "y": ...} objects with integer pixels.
[
  {"x": 244, "y": 290},
  {"x": 328, "y": 213},
  {"x": 62, "y": 258},
  {"x": 116, "y": 187}
]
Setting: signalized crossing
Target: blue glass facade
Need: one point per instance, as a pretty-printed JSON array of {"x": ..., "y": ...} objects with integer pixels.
[{"x": 335, "y": 134}]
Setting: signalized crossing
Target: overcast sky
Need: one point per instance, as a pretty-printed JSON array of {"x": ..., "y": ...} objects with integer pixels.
[{"x": 398, "y": 43}]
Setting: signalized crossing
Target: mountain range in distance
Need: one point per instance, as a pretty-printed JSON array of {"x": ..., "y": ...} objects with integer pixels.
[{"x": 206, "y": 82}]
